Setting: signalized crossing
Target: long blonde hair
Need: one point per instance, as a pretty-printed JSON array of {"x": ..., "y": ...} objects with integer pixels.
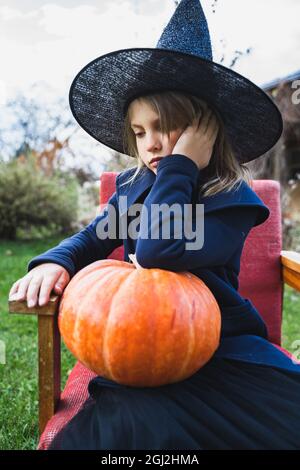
[{"x": 177, "y": 110}]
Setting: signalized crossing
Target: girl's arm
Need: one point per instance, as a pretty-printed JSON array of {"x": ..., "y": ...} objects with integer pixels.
[
  {"x": 84, "y": 247},
  {"x": 224, "y": 230}
]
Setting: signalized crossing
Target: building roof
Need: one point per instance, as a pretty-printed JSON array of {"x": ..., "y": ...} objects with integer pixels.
[{"x": 277, "y": 81}]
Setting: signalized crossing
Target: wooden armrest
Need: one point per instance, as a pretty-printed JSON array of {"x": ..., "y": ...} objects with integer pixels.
[
  {"x": 290, "y": 262},
  {"x": 48, "y": 353}
]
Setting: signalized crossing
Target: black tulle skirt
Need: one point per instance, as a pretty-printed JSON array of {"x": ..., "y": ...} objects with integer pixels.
[{"x": 225, "y": 405}]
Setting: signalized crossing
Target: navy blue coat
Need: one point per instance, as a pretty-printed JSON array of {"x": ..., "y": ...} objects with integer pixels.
[{"x": 229, "y": 217}]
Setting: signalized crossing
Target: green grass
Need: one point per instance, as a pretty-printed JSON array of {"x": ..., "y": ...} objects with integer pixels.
[
  {"x": 291, "y": 320},
  {"x": 18, "y": 377}
]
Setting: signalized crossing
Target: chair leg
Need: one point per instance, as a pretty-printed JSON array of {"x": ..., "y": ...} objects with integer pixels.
[
  {"x": 49, "y": 354},
  {"x": 49, "y": 368}
]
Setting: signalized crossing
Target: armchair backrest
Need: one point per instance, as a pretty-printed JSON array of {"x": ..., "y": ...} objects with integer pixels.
[
  {"x": 260, "y": 278},
  {"x": 260, "y": 275}
]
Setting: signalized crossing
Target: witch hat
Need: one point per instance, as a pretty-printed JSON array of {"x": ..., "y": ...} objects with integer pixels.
[{"x": 182, "y": 60}]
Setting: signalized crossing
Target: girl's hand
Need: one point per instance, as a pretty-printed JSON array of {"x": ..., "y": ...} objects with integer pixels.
[
  {"x": 38, "y": 284},
  {"x": 197, "y": 140}
]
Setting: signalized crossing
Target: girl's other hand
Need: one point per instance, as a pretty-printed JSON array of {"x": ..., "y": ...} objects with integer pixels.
[
  {"x": 197, "y": 140},
  {"x": 38, "y": 283}
]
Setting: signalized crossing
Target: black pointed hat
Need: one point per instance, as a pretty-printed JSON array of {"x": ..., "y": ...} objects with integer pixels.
[{"x": 182, "y": 60}]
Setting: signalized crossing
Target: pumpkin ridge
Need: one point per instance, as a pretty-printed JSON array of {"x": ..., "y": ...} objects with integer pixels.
[
  {"x": 111, "y": 274},
  {"x": 105, "y": 350},
  {"x": 210, "y": 303},
  {"x": 76, "y": 337},
  {"x": 191, "y": 342}
]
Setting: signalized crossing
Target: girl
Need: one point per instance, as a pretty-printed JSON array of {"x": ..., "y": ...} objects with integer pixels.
[
  {"x": 246, "y": 396},
  {"x": 227, "y": 404}
]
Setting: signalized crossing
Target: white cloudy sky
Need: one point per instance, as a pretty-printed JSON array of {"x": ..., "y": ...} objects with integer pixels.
[{"x": 52, "y": 40}]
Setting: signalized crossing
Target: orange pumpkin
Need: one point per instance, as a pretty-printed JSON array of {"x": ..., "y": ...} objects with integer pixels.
[{"x": 139, "y": 327}]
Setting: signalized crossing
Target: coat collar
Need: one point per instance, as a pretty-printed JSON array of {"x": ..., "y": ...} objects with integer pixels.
[
  {"x": 132, "y": 190},
  {"x": 242, "y": 196}
]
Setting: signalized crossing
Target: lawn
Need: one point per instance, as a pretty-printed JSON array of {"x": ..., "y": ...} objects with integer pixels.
[{"x": 18, "y": 376}]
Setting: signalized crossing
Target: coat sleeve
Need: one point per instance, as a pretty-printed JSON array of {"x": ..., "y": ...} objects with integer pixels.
[
  {"x": 86, "y": 246},
  {"x": 224, "y": 231}
]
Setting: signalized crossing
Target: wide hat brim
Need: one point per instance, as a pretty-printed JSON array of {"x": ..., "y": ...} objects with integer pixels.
[{"x": 101, "y": 92}]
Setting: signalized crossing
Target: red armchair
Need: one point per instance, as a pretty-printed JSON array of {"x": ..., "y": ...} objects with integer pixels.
[{"x": 264, "y": 270}]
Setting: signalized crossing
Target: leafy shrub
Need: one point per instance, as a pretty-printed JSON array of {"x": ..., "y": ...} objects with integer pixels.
[{"x": 33, "y": 205}]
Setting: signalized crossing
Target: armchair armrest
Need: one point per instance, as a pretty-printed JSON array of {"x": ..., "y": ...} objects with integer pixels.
[
  {"x": 290, "y": 262},
  {"x": 48, "y": 354}
]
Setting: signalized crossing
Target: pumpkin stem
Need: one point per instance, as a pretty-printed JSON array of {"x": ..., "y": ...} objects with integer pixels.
[{"x": 134, "y": 261}]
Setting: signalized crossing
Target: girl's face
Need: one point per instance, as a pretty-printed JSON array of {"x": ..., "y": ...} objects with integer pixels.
[{"x": 150, "y": 141}]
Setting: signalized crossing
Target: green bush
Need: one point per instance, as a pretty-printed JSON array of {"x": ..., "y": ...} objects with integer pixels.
[{"x": 33, "y": 205}]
